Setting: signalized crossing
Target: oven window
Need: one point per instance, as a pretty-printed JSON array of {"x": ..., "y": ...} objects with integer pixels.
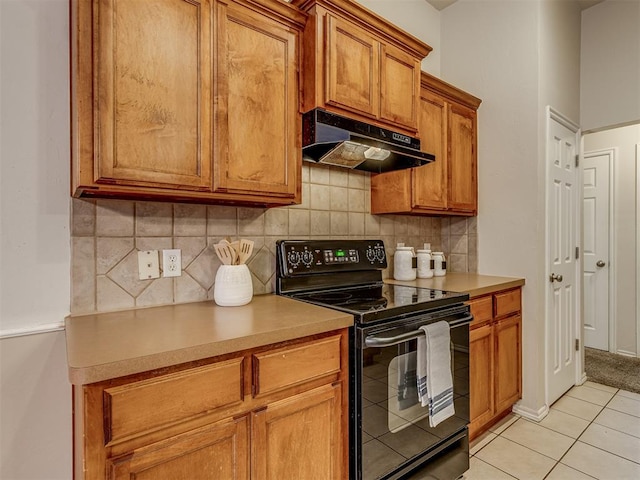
[{"x": 395, "y": 427}]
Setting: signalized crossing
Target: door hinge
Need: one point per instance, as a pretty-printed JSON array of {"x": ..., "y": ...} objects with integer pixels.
[
  {"x": 577, "y": 344},
  {"x": 577, "y": 160},
  {"x": 577, "y": 253}
]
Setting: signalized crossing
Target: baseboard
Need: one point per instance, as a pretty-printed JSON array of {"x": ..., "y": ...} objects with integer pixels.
[
  {"x": 34, "y": 330},
  {"x": 625, "y": 353},
  {"x": 583, "y": 379},
  {"x": 535, "y": 415}
]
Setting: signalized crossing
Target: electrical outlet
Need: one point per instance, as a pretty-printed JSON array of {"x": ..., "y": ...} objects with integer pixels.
[
  {"x": 148, "y": 264},
  {"x": 171, "y": 263}
]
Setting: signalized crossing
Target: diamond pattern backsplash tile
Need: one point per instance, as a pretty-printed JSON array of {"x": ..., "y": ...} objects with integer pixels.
[{"x": 107, "y": 234}]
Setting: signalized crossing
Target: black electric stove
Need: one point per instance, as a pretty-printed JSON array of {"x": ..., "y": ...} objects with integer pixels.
[
  {"x": 389, "y": 435},
  {"x": 347, "y": 275}
]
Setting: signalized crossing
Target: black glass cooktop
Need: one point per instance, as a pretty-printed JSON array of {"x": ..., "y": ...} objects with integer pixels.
[{"x": 378, "y": 301}]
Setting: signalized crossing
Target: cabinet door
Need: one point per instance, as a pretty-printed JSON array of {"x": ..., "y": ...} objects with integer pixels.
[
  {"x": 399, "y": 87},
  {"x": 300, "y": 437},
  {"x": 152, "y": 94},
  {"x": 216, "y": 451},
  {"x": 462, "y": 175},
  {"x": 481, "y": 364},
  {"x": 430, "y": 181},
  {"x": 353, "y": 68},
  {"x": 508, "y": 358},
  {"x": 256, "y": 114}
]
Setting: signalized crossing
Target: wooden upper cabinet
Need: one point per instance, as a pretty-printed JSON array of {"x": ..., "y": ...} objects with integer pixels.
[
  {"x": 399, "y": 86},
  {"x": 447, "y": 124},
  {"x": 148, "y": 108},
  {"x": 358, "y": 64},
  {"x": 257, "y": 122},
  {"x": 186, "y": 100},
  {"x": 430, "y": 185},
  {"x": 353, "y": 67},
  {"x": 462, "y": 176}
]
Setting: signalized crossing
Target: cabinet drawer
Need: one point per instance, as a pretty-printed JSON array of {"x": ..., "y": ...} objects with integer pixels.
[
  {"x": 146, "y": 405},
  {"x": 507, "y": 302},
  {"x": 293, "y": 365},
  {"x": 481, "y": 309}
]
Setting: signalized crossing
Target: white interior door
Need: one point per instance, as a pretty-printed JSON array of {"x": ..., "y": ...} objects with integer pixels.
[
  {"x": 562, "y": 227},
  {"x": 597, "y": 169}
]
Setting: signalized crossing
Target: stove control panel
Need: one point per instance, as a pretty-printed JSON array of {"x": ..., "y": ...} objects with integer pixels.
[{"x": 322, "y": 256}]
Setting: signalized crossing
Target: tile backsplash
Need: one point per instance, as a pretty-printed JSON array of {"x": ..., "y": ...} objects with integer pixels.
[{"x": 106, "y": 235}]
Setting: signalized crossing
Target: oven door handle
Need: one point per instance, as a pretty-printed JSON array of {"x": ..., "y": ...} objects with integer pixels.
[{"x": 405, "y": 337}]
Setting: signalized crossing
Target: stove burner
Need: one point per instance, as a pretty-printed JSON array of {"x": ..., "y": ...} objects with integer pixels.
[
  {"x": 331, "y": 298},
  {"x": 367, "y": 304}
]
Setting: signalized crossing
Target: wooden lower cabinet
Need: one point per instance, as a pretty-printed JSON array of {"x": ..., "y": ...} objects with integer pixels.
[
  {"x": 299, "y": 437},
  {"x": 508, "y": 361},
  {"x": 220, "y": 450},
  {"x": 482, "y": 402},
  {"x": 495, "y": 358},
  {"x": 211, "y": 421}
]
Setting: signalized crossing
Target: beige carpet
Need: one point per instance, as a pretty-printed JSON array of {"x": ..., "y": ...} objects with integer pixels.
[{"x": 612, "y": 369}]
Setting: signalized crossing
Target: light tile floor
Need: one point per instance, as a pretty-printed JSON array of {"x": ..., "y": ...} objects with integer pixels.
[{"x": 593, "y": 431}]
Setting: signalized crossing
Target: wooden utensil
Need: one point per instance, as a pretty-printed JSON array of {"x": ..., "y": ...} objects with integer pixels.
[
  {"x": 235, "y": 246},
  {"x": 233, "y": 250},
  {"x": 245, "y": 250},
  {"x": 224, "y": 253}
]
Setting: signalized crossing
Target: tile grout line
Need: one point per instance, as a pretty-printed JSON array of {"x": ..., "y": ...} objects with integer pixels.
[{"x": 576, "y": 440}]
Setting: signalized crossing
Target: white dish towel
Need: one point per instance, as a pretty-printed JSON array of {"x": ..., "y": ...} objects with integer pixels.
[{"x": 435, "y": 383}]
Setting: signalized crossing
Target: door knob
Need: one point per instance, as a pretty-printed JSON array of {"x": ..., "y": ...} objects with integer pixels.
[
  {"x": 555, "y": 278},
  {"x": 600, "y": 263}
]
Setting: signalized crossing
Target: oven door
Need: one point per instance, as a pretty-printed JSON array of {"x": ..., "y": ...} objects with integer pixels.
[{"x": 391, "y": 430}]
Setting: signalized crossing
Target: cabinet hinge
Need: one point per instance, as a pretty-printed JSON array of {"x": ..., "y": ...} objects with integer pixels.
[
  {"x": 577, "y": 344},
  {"x": 577, "y": 253},
  {"x": 577, "y": 160}
]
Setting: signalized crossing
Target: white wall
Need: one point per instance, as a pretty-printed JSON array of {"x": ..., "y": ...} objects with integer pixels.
[
  {"x": 416, "y": 17},
  {"x": 559, "y": 33},
  {"x": 496, "y": 57},
  {"x": 35, "y": 406},
  {"x": 624, "y": 224},
  {"x": 34, "y": 253},
  {"x": 35, "y": 438},
  {"x": 610, "y": 69}
]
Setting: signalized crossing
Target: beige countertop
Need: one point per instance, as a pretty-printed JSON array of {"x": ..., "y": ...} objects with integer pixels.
[
  {"x": 472, "y": 283},
  {"x": 110, "y": 345}
]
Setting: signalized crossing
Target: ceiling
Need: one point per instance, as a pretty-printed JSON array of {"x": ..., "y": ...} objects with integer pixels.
[{"x": 440, "y": 4}]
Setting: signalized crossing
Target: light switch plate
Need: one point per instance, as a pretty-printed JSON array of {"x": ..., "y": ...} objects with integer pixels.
[{"x": 148, "y": 264}]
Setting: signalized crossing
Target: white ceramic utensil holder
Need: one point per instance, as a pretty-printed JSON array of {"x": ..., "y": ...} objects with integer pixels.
[{"x": 233, "y": 286}]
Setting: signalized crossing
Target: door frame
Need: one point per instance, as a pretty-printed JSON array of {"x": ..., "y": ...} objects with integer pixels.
[
  {"x": 637, "y": 249},
  {"x": 580, "y": 376},
  {"x": 612, "y": 154}
]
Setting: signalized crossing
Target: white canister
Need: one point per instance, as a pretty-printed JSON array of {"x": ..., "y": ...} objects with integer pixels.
[
  {"x": 424, "y": 264},
  {"x": 233, "y": 286},
  {"x": 403, "y": 263},
  {"x": 439, "y": 264}
]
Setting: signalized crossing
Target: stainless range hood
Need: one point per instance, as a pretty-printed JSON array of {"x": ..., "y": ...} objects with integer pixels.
[{"x": 332, "y": 139}]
